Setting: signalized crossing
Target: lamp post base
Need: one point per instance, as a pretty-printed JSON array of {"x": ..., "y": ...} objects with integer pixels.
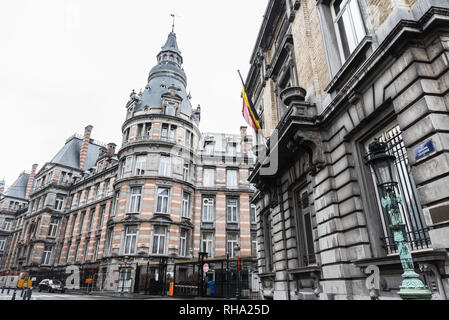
[{"x": 412, "y": 288}]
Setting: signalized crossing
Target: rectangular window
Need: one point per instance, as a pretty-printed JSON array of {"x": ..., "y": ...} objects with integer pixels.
[
  {"x": 186, "y": 205},
  {"x": 208, "y": 210},
  {"x": 100, "y": 222},
  {"x": 183, "y": 243},
  {"x": 165, "y": 166},
  {"x": 253, "y": 244},
  {"x": 97, "y": 191},
  {"x": 187, "y": 138},
  {"x": 91, "y": 219},
  {"x": 108, "y": 246},
  {"x": 46, "y": 256},
  {"x": 148, "y": 129},
  {"x": 116, "y": 204},
  {"x": 130, "y": 240},
  {"x": 232, "y": 240},
  {"x": 106, "y": 187},
  {"x": 53, "y": 228},
  {"x": 307, "y": 231},
  {"x": 173, "y": 132},
  {"x": 416, "y": 230},
  {"x": 73, "y": 225},
  {"x": 348, "y": 26},
  {"x": 207, "y": 243},
  {"x": 141, "y": 164},
  {"x": 232, "y": 179},
  {"x": 159, "y": 236},
  {"x": 82, "y": 222},
  {"x": 232, "y": 211},
  {"x": 162, "y": 200},
  {"x": 97, "y": 243},
  {"x": 7, "y": 225},
  {"x": 135, "y": 200},
  {"x": 164, "y": 131},
  {"x": 253, "y": 214},
  {"x": 186, "y": 172},
  {"x": 209, "y": 177},
  {"x": 2, "y": 244}
]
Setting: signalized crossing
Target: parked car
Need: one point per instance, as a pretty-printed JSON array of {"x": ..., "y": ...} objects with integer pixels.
[{"x": 51, "y": 285}]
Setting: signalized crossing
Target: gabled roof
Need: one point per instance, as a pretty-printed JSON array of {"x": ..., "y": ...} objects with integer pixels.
[
  {"x": 18, "y": 188},
  {"x": 69, "y": 155}
]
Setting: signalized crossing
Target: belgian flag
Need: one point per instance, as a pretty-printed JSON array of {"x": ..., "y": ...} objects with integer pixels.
[{"x": 249, "y": 112}]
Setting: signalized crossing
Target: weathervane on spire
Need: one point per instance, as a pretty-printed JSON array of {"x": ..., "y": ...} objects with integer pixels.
[{"x": 173, "y": 26}]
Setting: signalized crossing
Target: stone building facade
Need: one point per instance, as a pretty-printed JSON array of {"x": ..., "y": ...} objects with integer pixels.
[
  {"x": 167, "y": 194},
  {"x": 327, "y": 78}
]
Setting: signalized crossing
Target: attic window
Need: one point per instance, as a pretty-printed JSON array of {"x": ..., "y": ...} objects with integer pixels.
[{"x": 163, "y": 85}]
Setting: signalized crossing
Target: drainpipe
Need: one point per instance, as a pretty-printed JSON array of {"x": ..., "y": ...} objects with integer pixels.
[{"x": 284, "y": 237}]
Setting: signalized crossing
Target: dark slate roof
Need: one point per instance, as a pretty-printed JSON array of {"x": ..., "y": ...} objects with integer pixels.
[
  {"x": 69, "y": 155},
  {"x": 161, "y": 77},
  {"x": 171, "y": 44},
  {"x": 18, "y": 188}
]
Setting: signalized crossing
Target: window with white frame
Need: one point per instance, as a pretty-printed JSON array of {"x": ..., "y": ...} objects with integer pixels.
[
  {"x": 232, "y": 211},
  {"x": 348, "y": 25},
  {"x": 165, "y": 166},
  {"x": 141, "y": 163},
  {"x": 130, "y": 240},
  {"x": 106, "y": 187},
  {"x": 135, "y": 199},
  {"x": 116, "y": 204},
  {"x": 253, "y": 244},
  {"x": 7, "y": 224},
  {"x": 108, "y": 245},
  {"x": 159, "y": 238},
  {"x": 46, "y": 256},
  {"x": 162, "y": 200},
  {"x": 207, "y": 243},
  {"x": 183, "y": 243},
  {"x": 53, "y": 228},
  {"x": 164, "y": 131},
  {"x": 208, "y": 210},
  {"x": 232, "y": 178},
  {"x": 232, "y": 239},
  {"x": 186, "y": 205},
  {"x": 209, "y": 177},
  {"x": 2, "y": 244},
  {"x": 97, "y": 243},
  {"x": 186, "y": 172},
  {"x": 101, "y": 218}
]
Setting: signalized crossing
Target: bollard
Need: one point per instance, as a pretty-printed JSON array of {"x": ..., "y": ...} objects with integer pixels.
[{"x": 14, "y": 295}]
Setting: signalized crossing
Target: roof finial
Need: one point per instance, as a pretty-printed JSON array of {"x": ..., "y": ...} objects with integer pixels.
[{"x": 173, "y": 26}]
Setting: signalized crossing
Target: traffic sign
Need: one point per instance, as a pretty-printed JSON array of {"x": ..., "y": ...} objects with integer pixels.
[{"x": 206, "y": 267}]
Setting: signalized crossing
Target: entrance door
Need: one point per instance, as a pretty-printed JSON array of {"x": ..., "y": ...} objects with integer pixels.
[{"x": 124, "y": 284}]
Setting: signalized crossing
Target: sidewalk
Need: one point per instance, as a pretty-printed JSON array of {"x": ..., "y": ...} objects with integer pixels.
[{"x": 138, "y": 296}]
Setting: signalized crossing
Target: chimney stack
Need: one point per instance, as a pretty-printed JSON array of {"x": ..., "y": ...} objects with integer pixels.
[
  {"x": 85, "y": 146},
  {"x": 111, "y": 149},
  {"x": 30, "y": 180}
]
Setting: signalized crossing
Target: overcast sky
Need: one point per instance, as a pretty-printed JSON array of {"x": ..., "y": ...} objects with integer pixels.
[{"x": 65, "y": 64}]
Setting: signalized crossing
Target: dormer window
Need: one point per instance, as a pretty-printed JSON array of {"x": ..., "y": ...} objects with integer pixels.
[
  {"x": 209, "y": 147},
  {"x": 170, "y": 109}
]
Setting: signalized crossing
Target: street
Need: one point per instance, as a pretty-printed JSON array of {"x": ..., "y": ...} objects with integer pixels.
[{"x": 58, "y": 296}]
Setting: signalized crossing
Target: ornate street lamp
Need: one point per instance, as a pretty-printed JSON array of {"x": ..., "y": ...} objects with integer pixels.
[{"x": 382, "y": 163}]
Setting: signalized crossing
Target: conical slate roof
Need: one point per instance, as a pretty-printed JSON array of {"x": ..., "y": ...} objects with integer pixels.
[
  {"x": 171, "y": 44},
  {"x": 167, "y": 73}
]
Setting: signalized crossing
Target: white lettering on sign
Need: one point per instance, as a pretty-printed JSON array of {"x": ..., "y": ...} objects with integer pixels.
[{"x": 73, "y": 280}]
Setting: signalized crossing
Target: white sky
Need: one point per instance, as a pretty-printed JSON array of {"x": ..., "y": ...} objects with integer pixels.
[{"x": 65, "y": 64}]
